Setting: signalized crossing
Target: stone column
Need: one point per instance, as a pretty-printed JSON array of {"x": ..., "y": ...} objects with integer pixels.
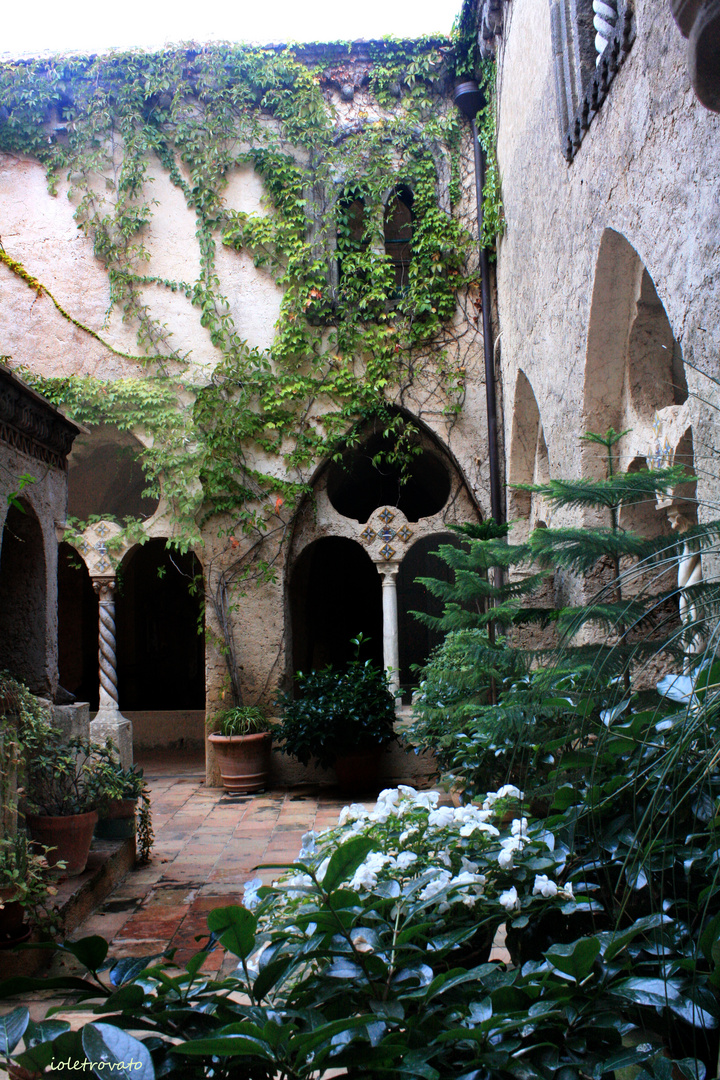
[
  {"x": 109, "y": 722},
  {"x": 391, "y": 651}
]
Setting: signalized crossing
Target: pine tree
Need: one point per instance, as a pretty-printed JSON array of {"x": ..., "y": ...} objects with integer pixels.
[{"x": 490, "y": 707}]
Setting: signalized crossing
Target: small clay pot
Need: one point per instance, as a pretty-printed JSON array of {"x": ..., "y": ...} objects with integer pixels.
[{"x": 70, "y": 836}]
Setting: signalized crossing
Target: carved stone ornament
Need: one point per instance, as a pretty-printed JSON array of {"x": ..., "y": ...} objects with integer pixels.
[{"x": 31, "y": 425}]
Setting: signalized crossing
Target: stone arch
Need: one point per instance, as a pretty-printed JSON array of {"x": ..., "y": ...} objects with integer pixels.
[
  {"x": 23, "y": 599},
  {"x": 105, "y": 477},
  {"x": 335, "y": 593},
  {"x": 77, "y": 627},
  {"x": 160, "y": 651},
  {"x": 644, "y": 518},
  {"x": 634, "y": 366},
  {"x": 416, "y": 640},
  {"x": 366, "y": 478},
  {"x": 529, "y": 462}
]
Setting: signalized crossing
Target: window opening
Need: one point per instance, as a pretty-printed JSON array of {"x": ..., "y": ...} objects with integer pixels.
[
  {"x": 351, "y": 224},
  {"x": 399, "y": 232}
]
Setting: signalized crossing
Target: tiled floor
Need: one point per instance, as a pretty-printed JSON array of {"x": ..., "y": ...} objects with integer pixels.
[{"x": 207, "y": 844}]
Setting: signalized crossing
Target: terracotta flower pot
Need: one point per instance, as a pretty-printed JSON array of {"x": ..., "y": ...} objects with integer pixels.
[
  {"x": 118, "y": 820},
  {"x": 358, "y": 771},
  {"x": 70, "y": 836},
  {"x": 244, "y": 761}
]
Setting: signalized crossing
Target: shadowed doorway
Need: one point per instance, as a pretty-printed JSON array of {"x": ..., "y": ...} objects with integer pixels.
[{"x": 335, "y": 593}]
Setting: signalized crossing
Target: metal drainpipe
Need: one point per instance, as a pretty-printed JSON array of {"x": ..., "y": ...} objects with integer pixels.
[{"x": 469, "y": 100}]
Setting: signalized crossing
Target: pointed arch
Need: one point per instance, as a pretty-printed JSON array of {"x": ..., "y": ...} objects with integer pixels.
[
  {"x": 633, "y": 363},
  {"x": 529, "y": 461}
]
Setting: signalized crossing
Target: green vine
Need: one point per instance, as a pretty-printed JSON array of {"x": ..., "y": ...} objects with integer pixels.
[{"x": 350, "y": 343}]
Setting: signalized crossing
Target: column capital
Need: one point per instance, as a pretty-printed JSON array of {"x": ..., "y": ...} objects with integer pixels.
[
  {"x": 105, "y": 587},
  {"x": 387, "y": 570}
]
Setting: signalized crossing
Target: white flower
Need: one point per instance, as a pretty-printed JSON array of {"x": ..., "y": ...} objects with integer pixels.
[
  {"x": 405, "y": 836},
  {"x": 250, "y": 893},
  {"x": 466, "y": 878},
  {"x": 440, "y": 818},
  {"x": 296, "y": 882},
  {"x": 567, "y": 891},
  {"x": 509, "y": 900},
  {"x": 308, "y": 844},
  {"x": 364, "y": 878},
  {"x": 479, "y": 826},
  {"x": 544, "y": 886},
  {"x": 509, "y": 792},
  {"x": 506, "y": 858},
  {"x": 404, "y": 859},
  {"x": 519, "y": 827},
  {"x": 469, "y": 865},
  {"x": 436, "y": 885},
  {"x": 443, "y": 857},
  {"x": 322, "y": 869},
  {"x": 354, "y": 812}
]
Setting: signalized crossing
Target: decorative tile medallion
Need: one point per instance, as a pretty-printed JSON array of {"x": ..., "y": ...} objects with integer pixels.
[
  {"x": 368, "y": 535},
  {"x": 83, "y": 547},
  {"x": 386, "y": 516},
  {"x": 101, "y": 546},
  {"x": 102, "y": 565},
  {"x": 387, "y": 552},
  {"x": 404, "y": 534},
  {"x": 387, "y": 534},
  {"x": 102, "y": 530}
]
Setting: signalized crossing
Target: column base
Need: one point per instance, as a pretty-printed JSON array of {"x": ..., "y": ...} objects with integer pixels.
[{"x": 111, "y": 724}]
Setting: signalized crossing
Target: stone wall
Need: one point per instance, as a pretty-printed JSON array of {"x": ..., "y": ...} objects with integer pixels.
[{"x": 640, "y": 195}]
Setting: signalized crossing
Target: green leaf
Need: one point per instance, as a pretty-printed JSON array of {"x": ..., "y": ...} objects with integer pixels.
[
  {"x": 114, "y": 1052},
  {"x": 235, "y": 926},
  {"x": 575, "y": 960},
  {"x": 44, "y": 1032},
  {"x": 346, "y": 860},
  {"x": 12, "y": 1029},
  {"x": 90, "y": 951}
]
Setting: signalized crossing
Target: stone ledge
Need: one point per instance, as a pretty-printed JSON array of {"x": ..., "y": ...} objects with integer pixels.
[{"x": 77, "y": 897}]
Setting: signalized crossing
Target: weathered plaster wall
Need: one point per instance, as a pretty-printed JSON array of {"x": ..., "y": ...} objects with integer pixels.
[
  {"x": 648, "y": 169},
  {"x": 39, "y": 231}
]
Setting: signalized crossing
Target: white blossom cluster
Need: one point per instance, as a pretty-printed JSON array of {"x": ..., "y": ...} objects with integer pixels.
[{"x": 453, "y": 854}]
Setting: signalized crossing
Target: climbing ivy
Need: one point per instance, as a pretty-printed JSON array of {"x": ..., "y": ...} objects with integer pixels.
[{"x": 349, "y": 344}]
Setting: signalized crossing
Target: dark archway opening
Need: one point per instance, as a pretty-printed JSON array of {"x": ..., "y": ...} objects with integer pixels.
[
  {"x": 416, "y": 640},
  {"x": 23, "y": 599},
  {"x": 161, "y": 655},
  {"x": 367, "y": 478},
  {"x": 335, "y": 593},
  {"x": 77, "y": 627},
  {"x": 105, "y": 476}
]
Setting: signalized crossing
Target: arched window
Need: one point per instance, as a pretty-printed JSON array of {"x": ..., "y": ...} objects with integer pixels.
[{"x": 399, "y": 232}]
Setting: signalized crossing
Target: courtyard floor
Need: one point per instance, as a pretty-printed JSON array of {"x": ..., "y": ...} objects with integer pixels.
[{"x": 207, "y": 845}]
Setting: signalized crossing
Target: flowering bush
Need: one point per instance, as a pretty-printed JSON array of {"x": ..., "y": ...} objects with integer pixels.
[{"x": 364, "y": 957}]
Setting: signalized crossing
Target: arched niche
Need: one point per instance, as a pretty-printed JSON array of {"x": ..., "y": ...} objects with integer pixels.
[
  {"x": 105, "y": 477},
  {"x": 160, "y": 653},
  {"x": 23, "y": 598},
  {"x": 77, "y": 627},
  {"x": 416, "y": 640},
  {"x": 644, "y": 518},
  {"x": 335, "y": 593},
  {"x": 529, "y": 462},
  {"x": 634, "y": 365},
  {"x": 685, "y": 494},
  {"x": 367, "y": 478}
]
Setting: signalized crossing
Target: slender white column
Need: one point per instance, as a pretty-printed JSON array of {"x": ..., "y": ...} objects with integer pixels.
[
  {"x": 109, "y": 722},
  {"x": 391, "y": 651}
]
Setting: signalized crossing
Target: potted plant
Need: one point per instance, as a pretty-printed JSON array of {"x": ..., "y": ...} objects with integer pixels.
[
  {"x": 23, "y": 886},
  {"x": 340, "y": 717},
  {"x": 243, "y": 741},
  {"x": 122, "y": 790},
  {"x": 65, "y": 785}
]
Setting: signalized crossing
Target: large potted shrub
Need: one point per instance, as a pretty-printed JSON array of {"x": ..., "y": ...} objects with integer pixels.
[
  {"x": 341, "y": 718},
  {"x": 243, "y": 743},
  {"x": 66, "y": 784}
]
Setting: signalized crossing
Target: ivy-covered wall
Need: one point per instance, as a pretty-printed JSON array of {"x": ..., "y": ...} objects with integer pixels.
[{"x": 193, "y": 249}]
